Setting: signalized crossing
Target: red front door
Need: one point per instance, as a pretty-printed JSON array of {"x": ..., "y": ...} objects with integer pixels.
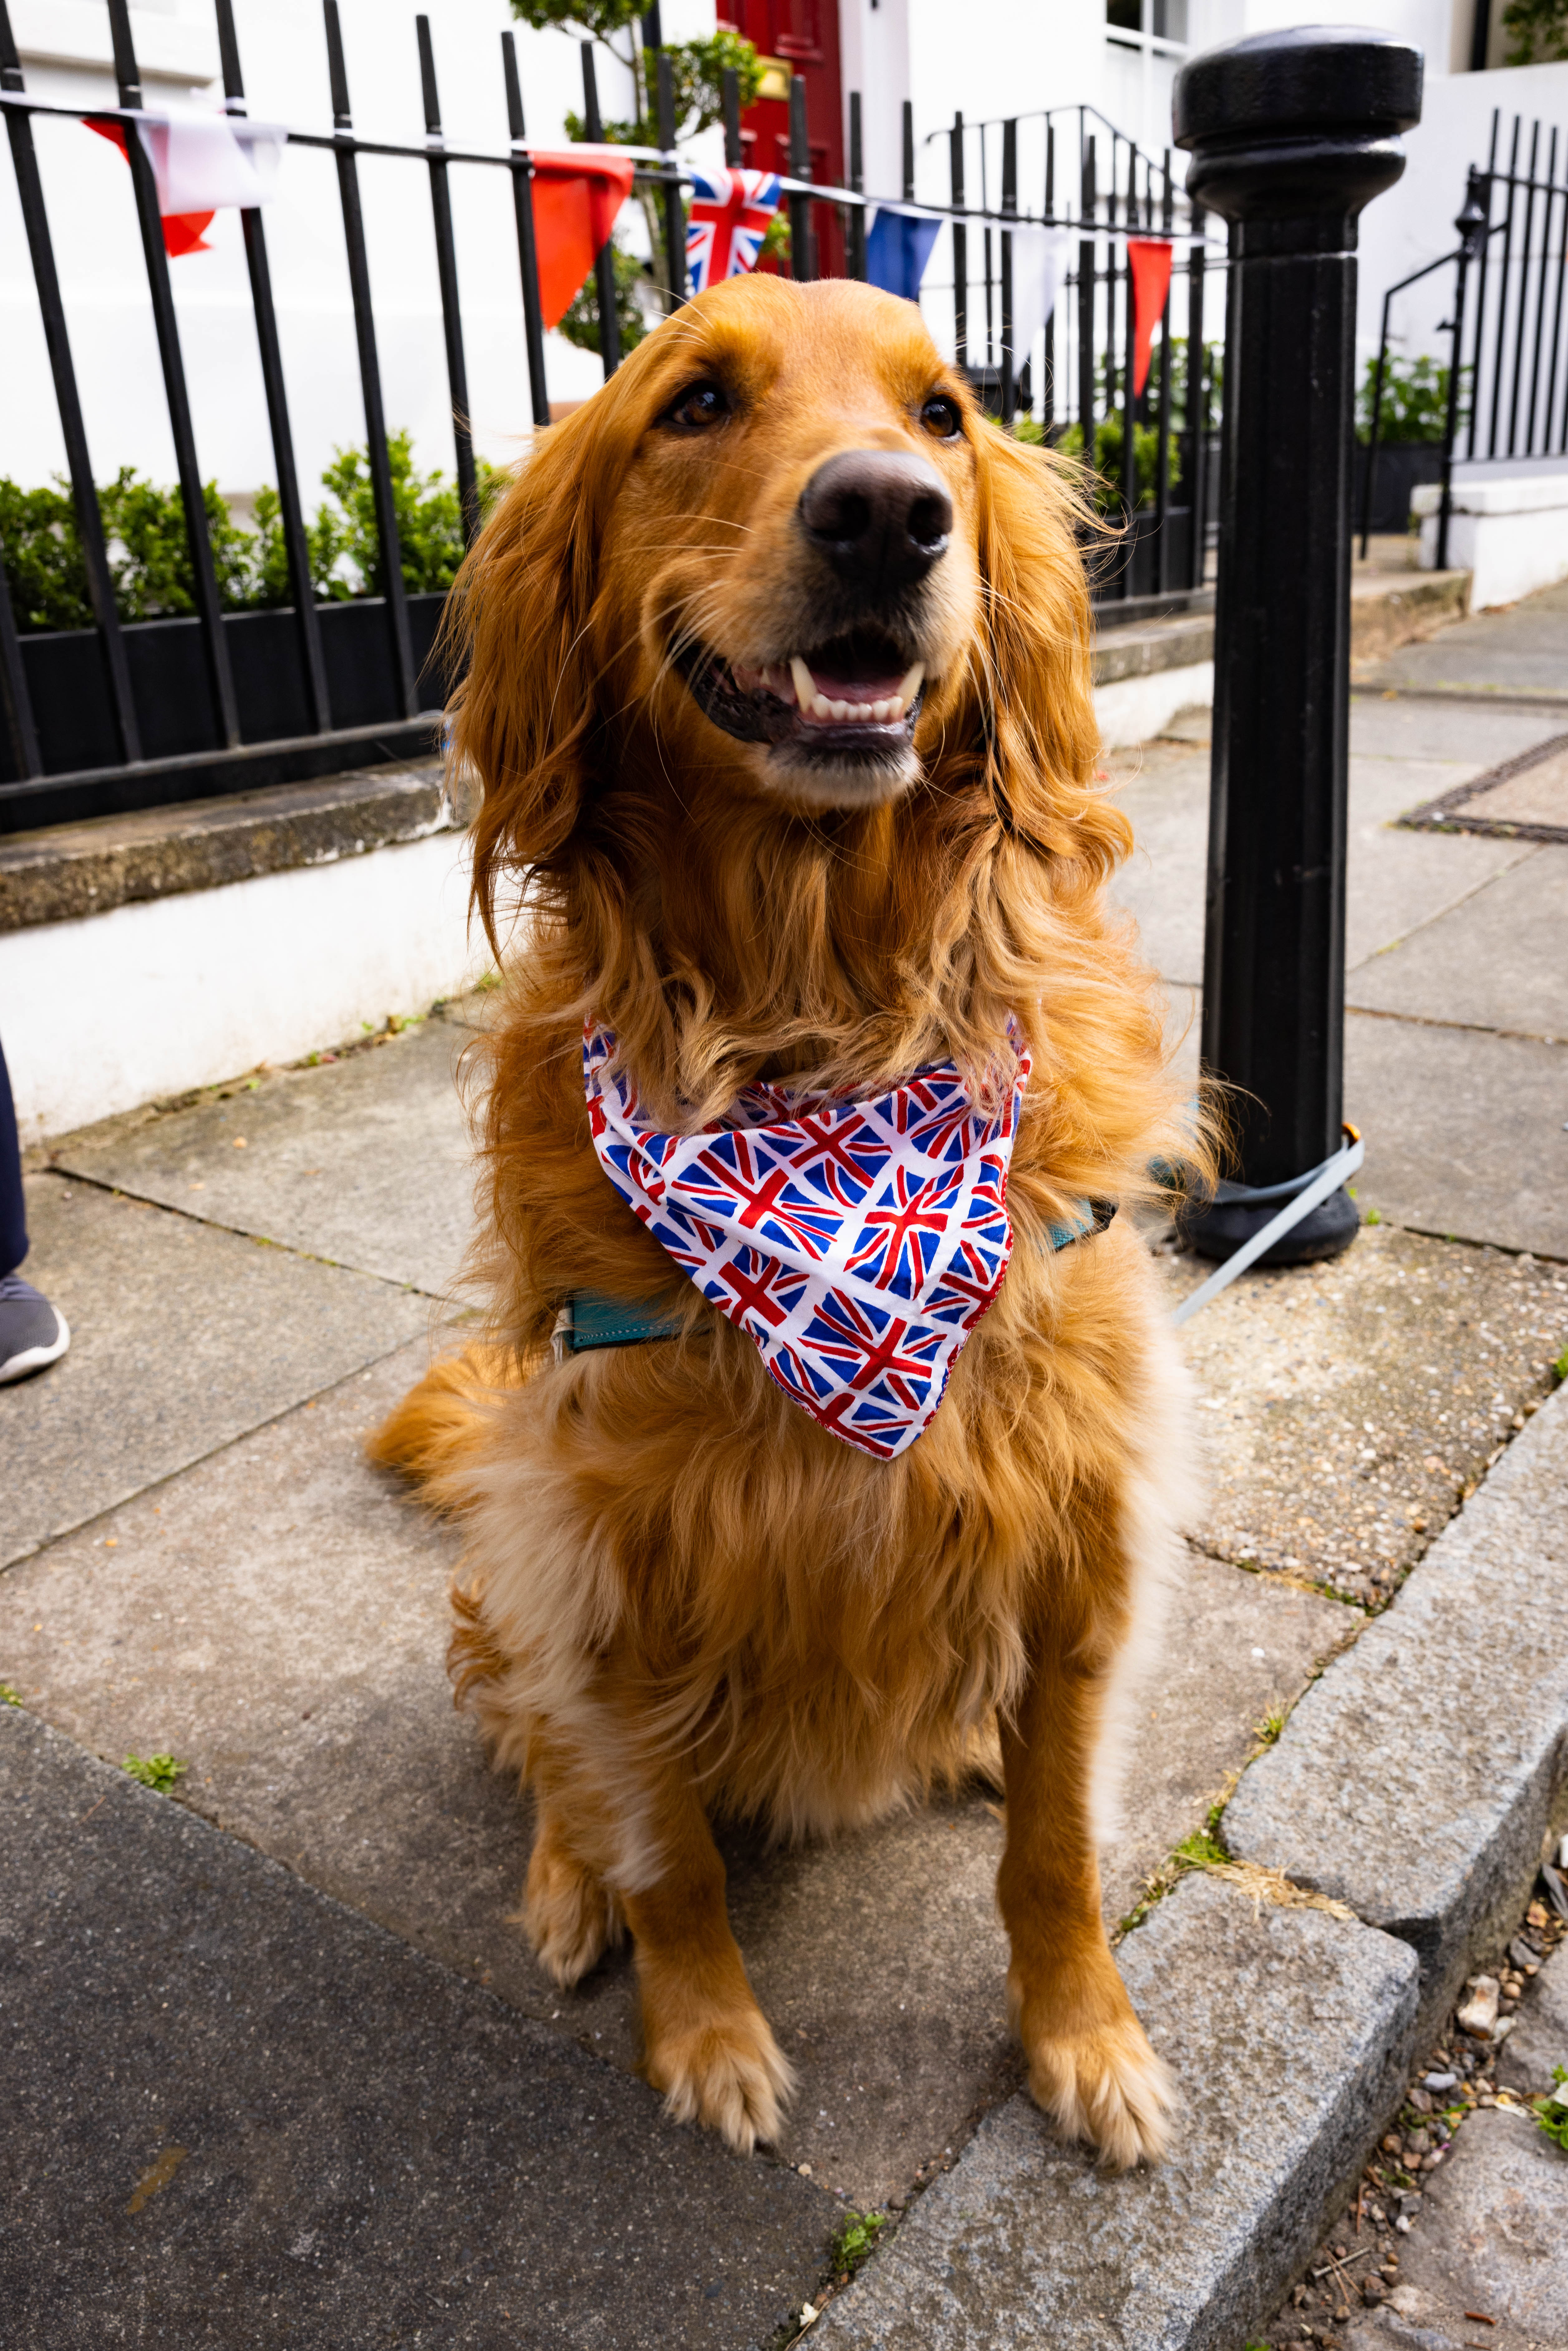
[{"x": 804, "y": 36}]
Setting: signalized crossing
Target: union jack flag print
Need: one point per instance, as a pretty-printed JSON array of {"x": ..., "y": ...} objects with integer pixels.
[
  {"x": 857, "y": 1244},
  {"x": 726, "y": 223}
]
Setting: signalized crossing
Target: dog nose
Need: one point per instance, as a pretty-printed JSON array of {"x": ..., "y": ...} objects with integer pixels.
[{"x": 881, "y": 519}]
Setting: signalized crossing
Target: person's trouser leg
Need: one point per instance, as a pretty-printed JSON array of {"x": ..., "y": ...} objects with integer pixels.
[{"x": 13, "y": 1205}]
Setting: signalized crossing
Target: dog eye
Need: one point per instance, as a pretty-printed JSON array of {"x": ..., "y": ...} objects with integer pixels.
[
  {"x": 701, "y": 405},
  {"x": 941, "y": 418}
]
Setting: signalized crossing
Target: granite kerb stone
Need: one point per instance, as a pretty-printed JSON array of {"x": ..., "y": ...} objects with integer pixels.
[
  {"x": 1289, "y": 2033},
  {"x": 1416, "y": 1778}
]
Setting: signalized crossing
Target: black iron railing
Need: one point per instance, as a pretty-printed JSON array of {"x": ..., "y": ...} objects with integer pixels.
[
  {"x": 131, "y": 715},
  {"x": 1101, "y": 185},
  {"x": 1507, "y": 334}
]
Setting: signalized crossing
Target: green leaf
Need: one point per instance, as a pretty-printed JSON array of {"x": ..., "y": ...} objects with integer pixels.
[{"x": 156, "y": 1772}]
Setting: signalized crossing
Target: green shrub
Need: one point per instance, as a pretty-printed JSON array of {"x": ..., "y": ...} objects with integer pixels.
[
  {"x": 1108, "y": 460},
  {"x": 150, "y": 561},
  {"x": 1415, "y": 403},
  {"x": 1537, "y": 31}
]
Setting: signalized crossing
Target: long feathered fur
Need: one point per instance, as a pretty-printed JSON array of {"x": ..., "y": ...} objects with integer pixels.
[{"x": 669, "y": 1563}]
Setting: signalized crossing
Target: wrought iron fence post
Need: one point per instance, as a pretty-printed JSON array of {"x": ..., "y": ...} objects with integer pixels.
[
  {"x": 802, "y": 253},
  {"x": 604, "y": 262},
  {"x": 729, "y": 94},
  {"x": 675, "y": 209},
  {"x": 1472, "y": 225},
  {"x": 1196, "y": 484},
  {"x": 1087, "y": 273},
  {"x": 1291, "y": 133},
  {"x": 528, "y": 253},
  {"x": 84, "y": 494},
  {"x": 446, "y": 272},
  {"x": 1163, "y": 430},
  {"x": 960, "y": 243},
  {"x": 857, "y": 182},
  {"x": 15, "y": 698},
  {"x": 1009, "y": 207},
  {"x": 209, "y": 602},
  {"x": 377, "y": 455}
]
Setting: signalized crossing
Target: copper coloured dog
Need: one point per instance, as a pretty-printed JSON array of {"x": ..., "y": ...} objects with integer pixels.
[{"x": 778, "y": 688}]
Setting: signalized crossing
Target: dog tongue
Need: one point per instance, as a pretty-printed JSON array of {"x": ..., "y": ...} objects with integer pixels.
[{"x": 836, "y": 688}]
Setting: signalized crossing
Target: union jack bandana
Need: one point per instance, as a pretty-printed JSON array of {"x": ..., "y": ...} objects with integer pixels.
[
  {"x": 726, "y": 223},
  {"x": 857, "y": 1243}
]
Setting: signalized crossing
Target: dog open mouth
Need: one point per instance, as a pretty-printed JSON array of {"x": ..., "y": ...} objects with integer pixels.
[{"x": 856, "y": 697}]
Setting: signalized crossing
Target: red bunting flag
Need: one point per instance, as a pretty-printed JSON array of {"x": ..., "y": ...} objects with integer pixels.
[
  {"x": 576, "y": 200},
  {"x": 1149, "y": 259}
]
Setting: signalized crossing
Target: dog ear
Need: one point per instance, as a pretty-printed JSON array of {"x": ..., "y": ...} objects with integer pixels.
[
  {"x": 524, "y": 712},
  {"x": 1037, "y": 701}
]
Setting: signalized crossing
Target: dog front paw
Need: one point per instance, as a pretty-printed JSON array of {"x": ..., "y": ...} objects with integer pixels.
[
  {"x": 1101, "y": 2083},
  {"x": 727, "y": 2073},
  {"x": 569, "y": 1915}
]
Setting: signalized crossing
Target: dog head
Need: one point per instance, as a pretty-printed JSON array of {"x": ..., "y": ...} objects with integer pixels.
[{"x": 782, "y": 553}]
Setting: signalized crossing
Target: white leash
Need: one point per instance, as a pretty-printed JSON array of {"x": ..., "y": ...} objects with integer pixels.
[{"x": 1321, "y": 1183}]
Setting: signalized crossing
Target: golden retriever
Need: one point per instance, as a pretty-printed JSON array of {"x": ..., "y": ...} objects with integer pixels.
[{"x": 778, "y": 686}]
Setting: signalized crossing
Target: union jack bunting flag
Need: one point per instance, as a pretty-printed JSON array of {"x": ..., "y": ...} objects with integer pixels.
[
  {"x": 856, "y": 1243},
  {"x": 726, "y": 223}
]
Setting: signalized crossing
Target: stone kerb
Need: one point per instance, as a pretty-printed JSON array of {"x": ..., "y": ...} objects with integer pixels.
[
  {"x": 1409, "y": 1781},
  {"x": 1289, "y": 2033}
]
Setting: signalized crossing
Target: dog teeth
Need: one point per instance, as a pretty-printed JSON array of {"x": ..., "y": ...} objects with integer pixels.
[{"x": 826, "y": 711}]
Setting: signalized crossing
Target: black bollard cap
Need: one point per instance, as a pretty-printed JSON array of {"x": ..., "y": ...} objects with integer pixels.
[
  {"x": 1335, "y": 78},
  {"x": 1292, "y": 133}
]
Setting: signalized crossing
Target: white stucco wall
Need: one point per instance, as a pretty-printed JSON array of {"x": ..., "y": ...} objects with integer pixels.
[{"x": 115, "y": 1010}]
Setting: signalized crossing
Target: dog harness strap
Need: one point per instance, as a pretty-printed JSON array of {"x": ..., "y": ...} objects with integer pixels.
[{"x": 590, "y": 1319}]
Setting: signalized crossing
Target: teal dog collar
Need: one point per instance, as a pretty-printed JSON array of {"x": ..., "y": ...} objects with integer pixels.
[{"x": 590, "y": 1319}]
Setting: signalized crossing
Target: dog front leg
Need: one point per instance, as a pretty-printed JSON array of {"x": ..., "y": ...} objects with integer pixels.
[
  {"x": 706, "y": 2042},
  {"x": 623, "y": 1836},
  {"x": 1090, "y": 2064}
]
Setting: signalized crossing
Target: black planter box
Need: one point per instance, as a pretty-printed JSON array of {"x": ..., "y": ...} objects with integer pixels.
[
  {"x": 181, "y": 754},
  {"x": 1402, "y": 467}
]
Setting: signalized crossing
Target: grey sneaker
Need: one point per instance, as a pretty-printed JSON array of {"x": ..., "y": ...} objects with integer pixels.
[{"x": 33, "y": 1333}]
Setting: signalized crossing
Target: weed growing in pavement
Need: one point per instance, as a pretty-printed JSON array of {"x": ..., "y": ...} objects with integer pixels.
[
  {"x": 9, "y": 1696},
  {"x": 1560, "y": 1366},
  {"x": 854, "y": 2240},
  {"x": 1552, "y": 2113},
  {"x": 156, "y": 1772},
  {"x": 1269, "y": 1730}
]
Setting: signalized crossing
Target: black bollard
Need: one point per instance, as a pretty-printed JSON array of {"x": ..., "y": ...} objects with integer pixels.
[{"x": 1291, "y": 133}]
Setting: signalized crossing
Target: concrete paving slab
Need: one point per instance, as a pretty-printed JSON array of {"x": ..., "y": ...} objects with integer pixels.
[
  {"x": 1346, "y": 1406},
  {"x": 1495, "y": 961},
  {"x": 1396, "y": 882},
  {"x": 364, "y": 1161},
  {"x": 1416, "y": 1777},
  {"x": 239, "y": 2116},
  {"x": 1287, "y": 2032},
  {"x": 1467, "y": 1134},
  {"x": 278, "y": 1619},
  {"x": 1392, "y": 726},
  {"x": 1490, "y": 2238},
  {"x": 1523, "y": 646},
  {"x": 182, "y": 1338}
]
